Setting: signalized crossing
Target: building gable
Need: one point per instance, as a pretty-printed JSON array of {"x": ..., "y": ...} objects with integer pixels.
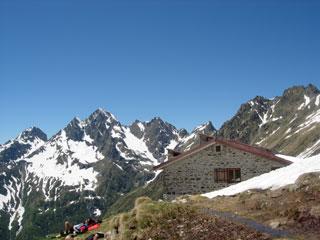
[{"x": 263, "y": 153}]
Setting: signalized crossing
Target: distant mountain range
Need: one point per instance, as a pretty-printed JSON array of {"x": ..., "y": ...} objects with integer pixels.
[{"x": 87, "y": 166}]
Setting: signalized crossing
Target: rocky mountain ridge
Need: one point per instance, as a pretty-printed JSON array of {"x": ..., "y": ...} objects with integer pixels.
[
  {"x": 289, "y": 124},
  {"x": 83, "y": 169}
]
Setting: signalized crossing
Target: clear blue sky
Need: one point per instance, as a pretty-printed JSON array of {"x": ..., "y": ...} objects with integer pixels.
[{"x": 185, "y": 61}]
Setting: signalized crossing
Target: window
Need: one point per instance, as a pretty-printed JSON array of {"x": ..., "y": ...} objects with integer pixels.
[
  {"x": 230, "y": 175},
  {"x": 220, "y": 175},
  {"x": 234, "y": 175},
  {"x": 218, "y": 148}
]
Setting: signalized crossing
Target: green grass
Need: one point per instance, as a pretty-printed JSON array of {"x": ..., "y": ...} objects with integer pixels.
[
  {"x": 126, "y": 202},
  {"x": 141, "y": 220}
]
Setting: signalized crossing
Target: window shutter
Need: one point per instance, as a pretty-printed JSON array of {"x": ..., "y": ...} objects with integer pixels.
[{"x": 220, "y": 175}]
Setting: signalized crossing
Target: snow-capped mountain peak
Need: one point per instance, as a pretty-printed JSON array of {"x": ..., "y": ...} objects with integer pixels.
[
  {"x": 25, "y": 143},
  {"x": 103, "y": 114},
  {"x": 30, "y": 133},
  {"x": 203, "y": 128}
]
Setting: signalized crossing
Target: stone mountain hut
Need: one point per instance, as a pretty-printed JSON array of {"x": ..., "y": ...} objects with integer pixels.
[{"x": 214, "y": 164}]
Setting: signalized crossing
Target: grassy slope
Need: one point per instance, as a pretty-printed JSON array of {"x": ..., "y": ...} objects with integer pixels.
[
  {"x": 296, "y": 208},
  {"x": 166, "y": 220},
  {"x": 125, "y": 203}
]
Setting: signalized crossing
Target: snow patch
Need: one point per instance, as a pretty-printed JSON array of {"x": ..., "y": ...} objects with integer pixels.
[
  {"x": 273, "y": 106},
  {"x": 141, "y": 126},
  {"x": 116, "y": 132},
  {"x": 295, "y": 117},
  {"x": 262, "y": 140},
  {"x": 123, "y": 154},
  {"x": 306, "y": 102},
  {"x": 45, "y": 164},
  {"x": 87, "y": 138},
  {"x": 192, "y": 136},
  {"x": 301, "y": 106},
  {"x": 311, "y": 119},
  {"x": 119, "y": 166},
  {"x": 5, "y": 199},
  {"x": 83, "y": 152},
  {"x": 263, "y": 119},
  {"x": 97, "y": 212},
  {"x": 290, "y": 158},
  {"x": 6, "y": 145},
  {"x": 19, "y": 215},
  {"x": 173, "y": 143},
  {"x": 274, "y": 131},
  {"x": 276, "y": 119},
  {"x": 157, "y": 173},
  {"x": 274, "y": 179},
  {"x": 317, "y": 101},
  {"x": 289, "y": 130},
  {"x": 138, "y": 146},
  {"x": 309, "y": 151},
  {"x": 201, "y": 127}
]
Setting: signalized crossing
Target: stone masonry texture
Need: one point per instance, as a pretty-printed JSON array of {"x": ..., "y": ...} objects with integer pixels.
[{"x": 194, "y": 174}]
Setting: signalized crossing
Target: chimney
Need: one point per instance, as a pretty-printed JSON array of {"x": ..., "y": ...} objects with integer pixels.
[
  {"x": 205, "y": 138},
  {"x": 173, "y": 153}
]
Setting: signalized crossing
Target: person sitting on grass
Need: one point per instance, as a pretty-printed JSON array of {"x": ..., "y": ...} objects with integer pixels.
[
  {"x": 69, "y": 229},
  {"x": 78, "y": 229}
]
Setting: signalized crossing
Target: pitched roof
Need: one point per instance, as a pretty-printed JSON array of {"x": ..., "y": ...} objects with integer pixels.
[{"x": 261, "y": 152}]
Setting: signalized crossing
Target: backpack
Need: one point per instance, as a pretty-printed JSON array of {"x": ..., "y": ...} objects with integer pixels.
[{"x": 82, "y": 228}]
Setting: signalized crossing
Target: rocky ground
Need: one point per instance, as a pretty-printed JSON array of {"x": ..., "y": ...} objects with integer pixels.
[
  {"x": 192, "y": 224},
  {"x": 295, "y": 208}
]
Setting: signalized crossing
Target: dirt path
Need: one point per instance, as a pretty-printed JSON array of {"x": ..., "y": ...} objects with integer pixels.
[{"x": 253, "y": 224}]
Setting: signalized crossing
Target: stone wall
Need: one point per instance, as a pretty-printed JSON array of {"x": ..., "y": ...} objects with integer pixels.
[{"x": 195, "y": 174}]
